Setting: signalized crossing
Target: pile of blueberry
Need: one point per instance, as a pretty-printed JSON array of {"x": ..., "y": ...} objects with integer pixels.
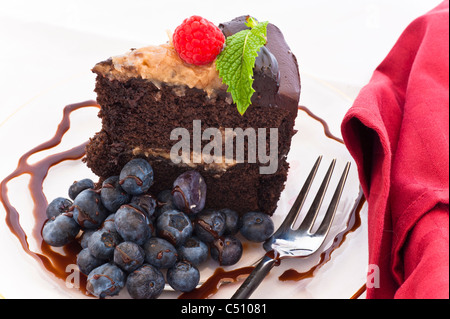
[{"x": 128, "y": 236}]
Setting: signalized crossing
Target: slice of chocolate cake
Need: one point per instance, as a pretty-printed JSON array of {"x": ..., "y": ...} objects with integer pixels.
[{"x": 179, "y": 116}]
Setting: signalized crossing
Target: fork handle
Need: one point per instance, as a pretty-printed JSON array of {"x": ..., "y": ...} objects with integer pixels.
[{"x": 255, "y": 278}]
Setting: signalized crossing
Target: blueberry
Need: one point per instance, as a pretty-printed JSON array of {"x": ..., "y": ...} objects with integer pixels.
[
  {"x": 109, "y": 223},
  {"x": 165, "y": 202},
  {"x": 85, "y": 237},
  {"x": 189, "y": 192},
  {"x": 136, "y": 176},
  {"x": 105, "y": 280},
  {"x": 86, "y": 262},
  {"x": 78, "y": 186},
  {"x": 160, "y": 253},
  {"x": 112, "y": 194},
  {"x": 183, "y": 276},
  {"x": 226, "y": 250},
  {"x": 146, "y": 282},
  {"x": 101, "y": 244},
  {"x": 58, "y": 206},
  {"x": 146, "y": 203},
  {"x": 256, "y": 226},
  {"x": 132, "y": 224},
  {"x": 88, "y": 209},
  {"x": 194, "y": 250},
  {"x": 174, "y": 226},
  {"x": 209, "y": 225},
  {"x": 129, "y": 256},
  {"x": 232, "y": 221},
  {"x": 165, "y": 197},
  {"x": 60, "y": 230},
  {"x": 267, "y": 245}
]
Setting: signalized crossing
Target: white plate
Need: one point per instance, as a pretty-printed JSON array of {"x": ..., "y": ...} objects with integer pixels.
[{"x": 36, "y": 123}]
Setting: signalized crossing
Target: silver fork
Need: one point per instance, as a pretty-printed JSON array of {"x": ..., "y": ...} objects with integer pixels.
[{"x": 301, "y": 242}]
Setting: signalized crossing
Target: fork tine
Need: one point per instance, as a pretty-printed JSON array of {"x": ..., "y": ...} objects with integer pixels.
[
  {"x": 310, "y": 217},
  {"x": 295, "y": 210},
  {"x": 328, "y": 219}
]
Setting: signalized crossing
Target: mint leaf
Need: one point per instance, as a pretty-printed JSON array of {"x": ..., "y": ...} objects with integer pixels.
[{"x": 236, "y": 62}]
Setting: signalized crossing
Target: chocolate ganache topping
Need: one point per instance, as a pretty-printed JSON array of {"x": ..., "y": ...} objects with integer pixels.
[{"x": 276, "y": 74}]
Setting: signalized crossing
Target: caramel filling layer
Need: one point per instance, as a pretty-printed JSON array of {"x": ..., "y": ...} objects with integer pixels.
[{"x": 161, "y": 64}]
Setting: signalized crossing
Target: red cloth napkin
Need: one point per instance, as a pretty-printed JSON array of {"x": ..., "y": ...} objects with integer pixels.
[{"x": 398, "y": 133}]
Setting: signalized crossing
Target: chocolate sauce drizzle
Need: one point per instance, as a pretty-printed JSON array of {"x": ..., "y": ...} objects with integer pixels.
[
  {"x": 326, "y": 128},
  {"x": 52, "y": 261},
  {"x": 56, "y": 263}
]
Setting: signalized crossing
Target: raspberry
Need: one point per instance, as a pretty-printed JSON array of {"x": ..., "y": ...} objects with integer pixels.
[{"x": 198, "y": 41}]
